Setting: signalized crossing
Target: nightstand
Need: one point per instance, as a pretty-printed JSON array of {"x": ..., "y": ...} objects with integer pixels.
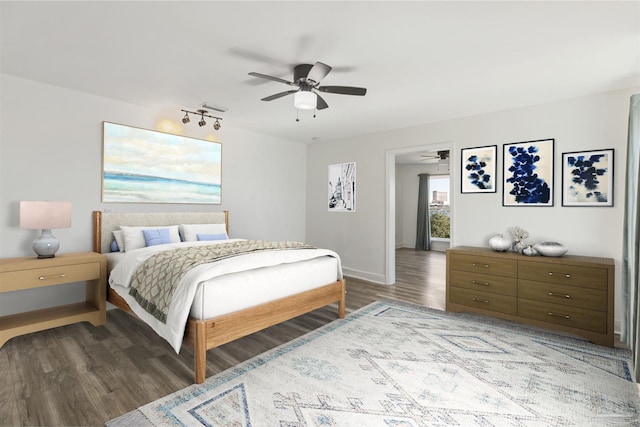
[{"x": 17, "y": 274}]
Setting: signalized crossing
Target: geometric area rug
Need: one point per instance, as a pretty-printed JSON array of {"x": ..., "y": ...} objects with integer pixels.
[{"x": 393, "y": 364}]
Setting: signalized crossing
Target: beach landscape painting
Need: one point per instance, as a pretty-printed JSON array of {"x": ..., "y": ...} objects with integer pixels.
[{"x": 145, "y": 166}]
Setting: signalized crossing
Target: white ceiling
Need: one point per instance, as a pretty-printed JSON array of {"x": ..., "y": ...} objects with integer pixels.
[{"x": 421, "y": 61}]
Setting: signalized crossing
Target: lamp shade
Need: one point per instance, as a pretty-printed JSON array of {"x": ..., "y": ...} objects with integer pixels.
[
  {"x": 305, "y": 100},
  {"x": 45, "y": 215}
]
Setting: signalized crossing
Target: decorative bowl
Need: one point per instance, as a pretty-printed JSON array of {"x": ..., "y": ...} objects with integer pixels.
[
  {"x": 550, "y": 249},
  {"x": 500, "y": 243}
]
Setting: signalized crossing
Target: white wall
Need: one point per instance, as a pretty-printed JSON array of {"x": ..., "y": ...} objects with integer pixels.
[
  {"x": 585, "y": 123},
  {"x": 51, "y": 149}
]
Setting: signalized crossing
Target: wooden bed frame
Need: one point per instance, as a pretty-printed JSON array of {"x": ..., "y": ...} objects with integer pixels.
[{"x": 206, "y": 334}]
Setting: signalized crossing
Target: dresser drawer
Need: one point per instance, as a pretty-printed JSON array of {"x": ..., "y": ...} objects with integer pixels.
[
  {"x": 591, "y": 299},
  {"x": 572, "y": 275},
  {"x": 484, "y": 300},
  {"x": 563, "y": 315},
  {"x": 484, "y": 265},
  {"x": 35, "y": 278},
  {"x": 484, "y": 282}
]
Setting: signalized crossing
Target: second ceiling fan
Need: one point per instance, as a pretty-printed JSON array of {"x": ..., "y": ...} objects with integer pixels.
[{"x": 307, "y": 78}]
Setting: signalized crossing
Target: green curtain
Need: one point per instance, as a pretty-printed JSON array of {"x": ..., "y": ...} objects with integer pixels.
[
  {"x": 631, "y": 252},
  {"x": 423, "y": 234}
]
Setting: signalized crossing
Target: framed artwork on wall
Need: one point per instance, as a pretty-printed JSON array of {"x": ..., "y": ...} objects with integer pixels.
[
  {"x": 528, "y": 173},
  {"x": 342, "y": 187},
  {"x": 587, "y": 178},
  {"x": 145, "y": 166},
  {"x": 478, "y": 169}
]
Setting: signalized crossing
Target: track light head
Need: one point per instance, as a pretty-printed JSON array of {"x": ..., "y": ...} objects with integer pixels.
[
  {"x": 185, "y": 119},
  {"x": 202, "y": 122},
  {"x": 216, "y": 125}
]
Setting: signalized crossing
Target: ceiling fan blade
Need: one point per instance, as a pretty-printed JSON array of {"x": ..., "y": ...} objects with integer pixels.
[
  {"x": 275, "y": 79},
  {"x": 318, "y": 72},
  {"x": 344, "y": 90},
  {"x": 279, "y": 95},
  {"x": 321, "y": 104}
]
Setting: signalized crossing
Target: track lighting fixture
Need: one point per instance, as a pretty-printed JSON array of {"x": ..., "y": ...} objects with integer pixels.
[{"x": 216, "y": 125}]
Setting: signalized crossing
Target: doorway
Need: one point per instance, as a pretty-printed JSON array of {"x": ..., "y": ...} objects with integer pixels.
[{"x": 396, "y": 161}]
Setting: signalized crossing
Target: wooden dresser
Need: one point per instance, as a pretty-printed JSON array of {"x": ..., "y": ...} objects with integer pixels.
[{"x": 569, "y": 293}]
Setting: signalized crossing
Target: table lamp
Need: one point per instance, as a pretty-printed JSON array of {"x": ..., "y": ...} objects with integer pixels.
[{"x": 44, "y": 216}]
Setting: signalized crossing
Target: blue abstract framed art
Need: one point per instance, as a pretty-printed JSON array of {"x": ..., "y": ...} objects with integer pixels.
[
  {"x": 587, "y": 178},
  {"x": 528, "y": 173},
  {"x": 145, "y": 166},
  {"x": 478, "y": 169}
]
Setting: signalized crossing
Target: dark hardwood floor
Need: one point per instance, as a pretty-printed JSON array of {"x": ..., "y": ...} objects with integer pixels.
[{"x": 85, "y": 375}]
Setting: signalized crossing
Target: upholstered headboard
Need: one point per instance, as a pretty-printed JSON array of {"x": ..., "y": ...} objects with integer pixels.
[{"x": 104, "y": 223}]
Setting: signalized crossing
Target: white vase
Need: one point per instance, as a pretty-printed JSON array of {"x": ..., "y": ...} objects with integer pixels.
[
  {"x": 550, "y": 249},
  {"x": 500, "y": 243}
]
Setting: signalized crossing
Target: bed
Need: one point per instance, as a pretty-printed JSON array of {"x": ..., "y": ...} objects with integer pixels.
[{"x": 300, "y": 284}]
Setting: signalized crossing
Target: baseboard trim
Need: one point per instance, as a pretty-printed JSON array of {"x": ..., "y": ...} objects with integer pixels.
[{"x": 364, "y": 275}]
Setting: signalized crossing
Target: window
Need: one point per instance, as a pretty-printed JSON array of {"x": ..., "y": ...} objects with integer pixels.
[{"x": 439, "y": 208}]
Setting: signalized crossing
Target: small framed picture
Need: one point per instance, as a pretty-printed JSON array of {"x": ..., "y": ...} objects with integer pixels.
[
  {"x": 528, "y": 173},
  {"x": 478, "y": 169},
  {"x": 587, "y": 178},
  {"x": 342, "y": 187}
]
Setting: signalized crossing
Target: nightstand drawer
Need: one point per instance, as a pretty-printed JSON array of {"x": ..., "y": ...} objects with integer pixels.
[
  {"x": 573, "y": 275},
  {"x": 35, "y": 278},
  {"x": 563, "y": 315},
  {"x": 484, "y": 282},
  {"x": 591, "y": 299},
  {"x": 484, "y": 265},
  {"x": 483, "y": 300}
]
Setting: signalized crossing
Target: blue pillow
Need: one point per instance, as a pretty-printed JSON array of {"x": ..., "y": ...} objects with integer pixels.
[
  {"x": 221, "y": 236},
  {"x": 156, "y": 237},
  {"x": 114, "y": 246}
]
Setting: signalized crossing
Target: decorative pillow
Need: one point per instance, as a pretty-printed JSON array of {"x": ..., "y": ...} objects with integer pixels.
[
  {"x": 190, "y": 231},
  {"x": 118, "y": 236},
  {"x": 221, "y": 236},
  {"x": 134, "y": 238},
  {"x": 114, "y": 246},
  {"x": 156, "y": 237}
]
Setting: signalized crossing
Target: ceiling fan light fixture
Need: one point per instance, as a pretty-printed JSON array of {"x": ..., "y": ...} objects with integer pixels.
[{"x": 305, "y": 100}]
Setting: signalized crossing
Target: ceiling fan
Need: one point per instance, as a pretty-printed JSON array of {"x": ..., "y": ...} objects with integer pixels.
[
  {"x": 441, "y": 156},
  {"x": 307, "y": 78}
]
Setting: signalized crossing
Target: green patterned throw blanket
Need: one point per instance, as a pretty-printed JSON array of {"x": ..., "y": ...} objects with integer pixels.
[{"x": 156, "y": 279}]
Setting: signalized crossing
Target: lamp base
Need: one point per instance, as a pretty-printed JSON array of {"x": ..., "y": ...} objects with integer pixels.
[{"x": 46, "y": 245}]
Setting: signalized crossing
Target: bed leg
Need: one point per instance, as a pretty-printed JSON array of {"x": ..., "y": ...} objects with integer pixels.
[
  {"x": 343, "y": 300},
  {"x": 200, "y": 351}
]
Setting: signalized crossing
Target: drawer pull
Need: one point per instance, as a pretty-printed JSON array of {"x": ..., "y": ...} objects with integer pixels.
[
  {"x": 559, "y": 295},
  {"x": 475, "y": 282},
  {"x": 567, "y": 275},
  {"x": 485, "y": 301},
  {"x": 57, "y": 276},
  {"x": 480, "y": 265},
  {"x": 566, "y": 316}
]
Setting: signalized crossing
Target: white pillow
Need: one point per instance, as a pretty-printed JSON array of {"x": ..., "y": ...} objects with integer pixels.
[
  {"x": 190, "y": 231},
  {"x": 118, "y": 235},
  {"x": 134, "y": 238}
]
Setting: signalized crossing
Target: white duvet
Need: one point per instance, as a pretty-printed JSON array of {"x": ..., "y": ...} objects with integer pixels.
[{"x": 173, "y": 330}]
